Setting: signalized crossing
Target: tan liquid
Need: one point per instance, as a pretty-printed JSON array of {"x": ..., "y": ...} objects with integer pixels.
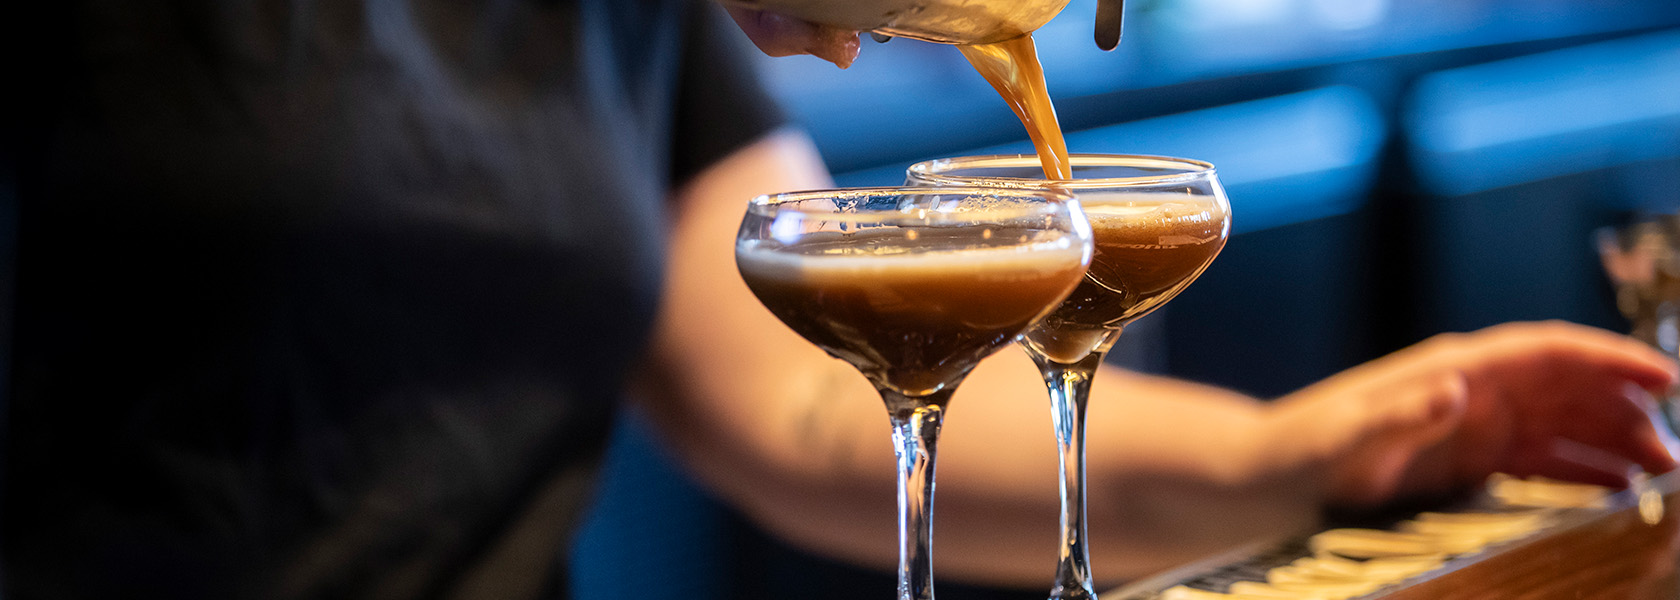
[
  {"x": 1012, "y": 67},
  {"x": 1145, "y": 254},
  {"x": 913, "y": 322}
]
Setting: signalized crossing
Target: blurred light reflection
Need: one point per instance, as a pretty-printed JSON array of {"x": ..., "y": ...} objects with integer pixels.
[{"x": 1569, "y": 111}]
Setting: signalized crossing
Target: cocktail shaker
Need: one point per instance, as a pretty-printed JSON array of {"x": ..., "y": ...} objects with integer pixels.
[{"x": 939, "y": 21}]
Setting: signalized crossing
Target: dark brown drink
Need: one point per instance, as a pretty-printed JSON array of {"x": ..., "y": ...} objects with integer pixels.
[
  {"x": 1145, "y": 253},
  {"x": 1012, "y": 67},
  {"x": 911, "y": 319}
]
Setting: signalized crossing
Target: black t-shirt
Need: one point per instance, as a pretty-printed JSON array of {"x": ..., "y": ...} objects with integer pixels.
[{"x": 336, "y": 299}]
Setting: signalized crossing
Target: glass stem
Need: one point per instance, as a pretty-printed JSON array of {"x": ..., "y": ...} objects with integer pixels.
[
  {"x": 915, "y": 424},
  {"x": 1070, "y": 386}
]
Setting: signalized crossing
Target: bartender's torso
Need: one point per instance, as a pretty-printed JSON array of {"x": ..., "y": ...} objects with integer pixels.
[{"x": 315, "y": 298}]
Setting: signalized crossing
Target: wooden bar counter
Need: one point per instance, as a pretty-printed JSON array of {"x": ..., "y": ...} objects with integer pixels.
[
  {"x": 1613, "y": 556},
  {"x": 1623, "y": 546}
]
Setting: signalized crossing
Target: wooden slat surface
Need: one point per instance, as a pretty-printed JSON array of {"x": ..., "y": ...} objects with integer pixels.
[{"x": 1616, "y": 556}]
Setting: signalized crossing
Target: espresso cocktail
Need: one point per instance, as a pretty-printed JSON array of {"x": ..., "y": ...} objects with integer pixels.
[
  {"x": 1146, "y": 250},
  {"x": 913, "y": 287},
  {"x": 914, "y": 320},
  {"x": 1156, "y": 224}
]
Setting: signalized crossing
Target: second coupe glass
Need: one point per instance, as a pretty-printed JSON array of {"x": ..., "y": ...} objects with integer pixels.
[{"x": 1157, "y": 223}]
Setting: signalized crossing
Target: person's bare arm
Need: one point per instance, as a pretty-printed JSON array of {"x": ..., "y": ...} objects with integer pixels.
[{"x": 765, "y": 419}]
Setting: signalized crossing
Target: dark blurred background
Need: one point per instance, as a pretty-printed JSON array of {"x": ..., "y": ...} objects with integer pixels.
[{"x": 1396, "y": 169}]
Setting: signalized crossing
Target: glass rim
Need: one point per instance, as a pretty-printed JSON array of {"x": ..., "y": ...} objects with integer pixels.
[
  {"x": 782, "y": 198},
  {"x": 1192, "y": 170}
]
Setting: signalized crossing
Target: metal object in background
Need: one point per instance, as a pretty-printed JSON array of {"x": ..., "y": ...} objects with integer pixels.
[
  {"x": 939, "y": 21},
  {"x": 1642, "y": 260}
]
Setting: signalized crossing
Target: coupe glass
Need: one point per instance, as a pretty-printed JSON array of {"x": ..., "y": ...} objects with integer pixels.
[
  {"x": 913, "y": 286},
  {"x": 1157, "y": 223}
]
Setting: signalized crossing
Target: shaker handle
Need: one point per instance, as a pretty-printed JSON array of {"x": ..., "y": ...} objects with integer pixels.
[{"x": 1110, "y": 14}]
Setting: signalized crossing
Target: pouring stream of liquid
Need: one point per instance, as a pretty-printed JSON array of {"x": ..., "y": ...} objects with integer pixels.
[{"x": 1012, "y": 67}]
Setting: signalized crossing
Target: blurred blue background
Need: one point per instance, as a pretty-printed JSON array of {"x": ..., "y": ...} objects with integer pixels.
[{"x": 1396, "y": 169}]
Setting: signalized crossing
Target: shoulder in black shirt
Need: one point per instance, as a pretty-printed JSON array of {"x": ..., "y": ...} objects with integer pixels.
[{"x": 333, "y": 299}]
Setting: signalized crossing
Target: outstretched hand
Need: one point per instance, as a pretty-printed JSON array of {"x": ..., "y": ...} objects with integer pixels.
[
  {"x": 779, "y": 35},
  {"x": 1551, "y": 399}
]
